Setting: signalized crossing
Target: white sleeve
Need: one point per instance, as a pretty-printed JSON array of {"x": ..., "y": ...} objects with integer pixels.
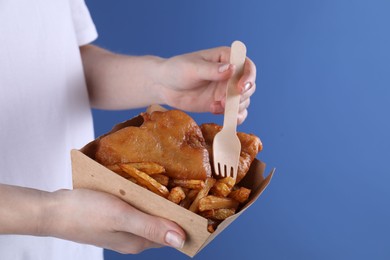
[{"x": 84, "y": 27}]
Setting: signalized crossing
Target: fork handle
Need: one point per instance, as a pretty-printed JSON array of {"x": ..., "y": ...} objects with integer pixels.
[{"x": 237, "y": 58}]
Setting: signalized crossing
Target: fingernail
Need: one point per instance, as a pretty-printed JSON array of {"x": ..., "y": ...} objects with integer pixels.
[
  {"x": 223, "y": 68},
  {"x": 247, "y": 86},
  {"x": 174, "y": 239}
]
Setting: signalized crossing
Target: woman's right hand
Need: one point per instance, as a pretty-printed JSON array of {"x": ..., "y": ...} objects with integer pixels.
[{"x": 103, "y": 220}]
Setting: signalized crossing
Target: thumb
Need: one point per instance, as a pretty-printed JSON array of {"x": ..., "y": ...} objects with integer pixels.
[
  {"x": 214, "y": 71},
  {"x": 155, "y": 229}
]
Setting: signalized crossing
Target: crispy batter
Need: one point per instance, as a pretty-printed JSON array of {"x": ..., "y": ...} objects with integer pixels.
[
  {"x": 250, "y": 147},
  {"x": 172, "y": 139}
]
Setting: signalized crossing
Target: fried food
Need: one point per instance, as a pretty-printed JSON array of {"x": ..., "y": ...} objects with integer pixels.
[
  {"x": 212, "y": 224},
  {"x": 202, "y": 193},
  {"x": 189, "y": 184},
  {"x": 223, "y": 186},
  {"x": 220, "y": 189},
  {"x": 241, "y": 194},
  {"x": 145, "y": 180},
  {"x": 176, "y": 195},
  {"x": 163, "y": 179},
  {"x": 250, "y": 147},
  {"x": 218, "y": 214},
  {"x": 169, "y": 154},
  {"x": 149, "y": 168},
  {"x": 171, "y": 139},
  {"x": 190, "y": 196},
  {"x": 211, "y": 202}
]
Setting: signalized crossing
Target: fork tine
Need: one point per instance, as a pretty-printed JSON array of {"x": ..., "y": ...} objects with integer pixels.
[
  {"x": 217, "y": 168},
  {"x": 231, "y": 174},
  {"x": 225, "y": 170}
]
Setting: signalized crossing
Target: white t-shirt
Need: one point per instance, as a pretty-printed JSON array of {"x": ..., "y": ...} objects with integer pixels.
[{"x": 44, "y": 108}]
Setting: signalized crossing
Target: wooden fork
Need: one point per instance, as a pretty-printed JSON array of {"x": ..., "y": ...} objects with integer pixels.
[{"x": 226, "y": 145}]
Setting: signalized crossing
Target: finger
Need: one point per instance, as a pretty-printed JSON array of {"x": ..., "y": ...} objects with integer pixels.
[
  {"x": 218, "y": 54},
  {"x": 127, "y": 243},
  {"x": 153, "y": 228},
  {"x": 244, "y": 105},
  {"x": 242, "y": 109},
  {"x": 248, "y": 92},
  {"x": 249, "y": 75},
  {"x": 242, "y": 116},
  {"x": 214, "y": 71}
]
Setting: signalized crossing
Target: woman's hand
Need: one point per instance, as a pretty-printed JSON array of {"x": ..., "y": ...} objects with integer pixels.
[
  {"x": 194, "y": 82},
  {"x": 84, "y": 216},
  {"x": 103, "y": 220},
  {"x": 197, "y": 81}
]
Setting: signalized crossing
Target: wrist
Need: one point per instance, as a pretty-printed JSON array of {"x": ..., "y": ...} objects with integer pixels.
[
  {"x": 25, "y": 210},
  {"x": 157, "y": 72},
  {"x": 50, "y": 213}
]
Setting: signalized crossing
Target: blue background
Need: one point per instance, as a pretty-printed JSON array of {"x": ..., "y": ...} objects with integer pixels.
[{"x": 321, "y": 110}]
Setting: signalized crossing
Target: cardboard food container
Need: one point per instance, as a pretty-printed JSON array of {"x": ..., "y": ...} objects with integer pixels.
[{"x": 89, "y": 174}]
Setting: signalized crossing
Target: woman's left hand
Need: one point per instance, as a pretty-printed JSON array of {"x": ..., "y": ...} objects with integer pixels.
[{"x": 197, "y": 81}]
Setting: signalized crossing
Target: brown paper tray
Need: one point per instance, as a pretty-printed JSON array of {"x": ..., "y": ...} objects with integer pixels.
[{"x": 87, "y": 173}]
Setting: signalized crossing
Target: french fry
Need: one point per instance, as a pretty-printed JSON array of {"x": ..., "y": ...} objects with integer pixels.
[
  {"x": 210, "y": 228},
  {"x": 190, "y": 196},
  {"x": 189, "y": 184},
  {"x": 223, "y": 187},
  {"x": 149, "y": 168},
  {"x": 229, "y": 181},
  {"x": 212, "y": 224},
  {"x": 145, "y": 180},
  {"x": 162, "y": 179},
  {"x": 202, "y": 193},
  {"x": 220, "y": 189},
  {"x": 213, "y": 202},
  {"x": 241, "y": 194},
  {"x": 176, "y": 195},
  {"x": 218, "y": 214},
  {"x": 117, "y": 169}
]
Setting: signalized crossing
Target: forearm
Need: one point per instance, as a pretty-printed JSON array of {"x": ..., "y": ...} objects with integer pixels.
[
  {"x": 118, "y": 81},
  {"x": 22, "y": 210}
]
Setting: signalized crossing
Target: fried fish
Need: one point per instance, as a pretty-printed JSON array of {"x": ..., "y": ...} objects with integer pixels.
[{"x": 171, "y": 139}]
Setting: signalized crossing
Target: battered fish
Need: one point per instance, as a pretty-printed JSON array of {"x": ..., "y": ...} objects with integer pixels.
[{"x": 171, "y": 139}]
